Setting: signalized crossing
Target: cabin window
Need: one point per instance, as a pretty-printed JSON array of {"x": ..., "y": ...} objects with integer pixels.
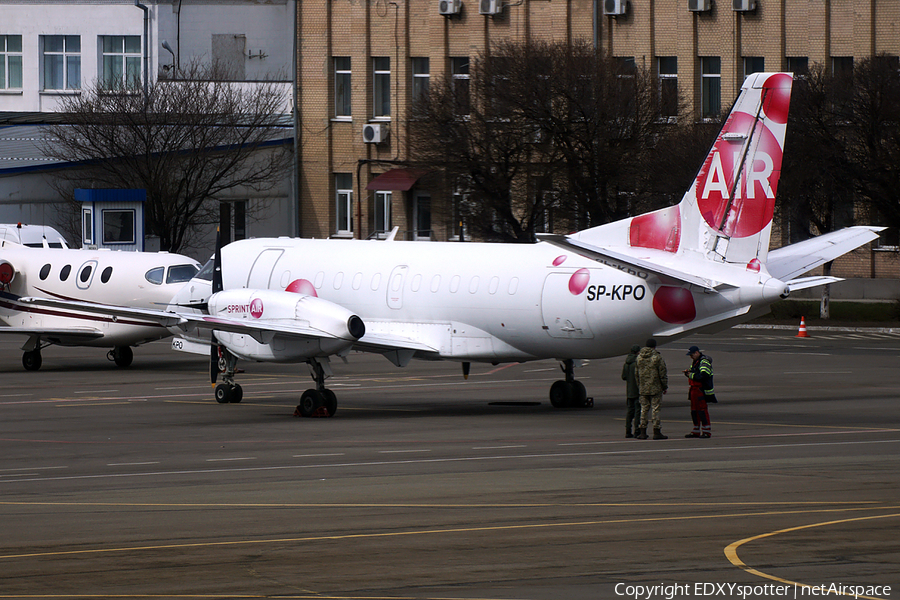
[
  {"x": 513, "y": 285},
  {"x": 85, "y": 274},
  {"x": 435, "y": 283},
  {"x": 416, "y": 283},
  {"x": 64, "y": 272},
  {"x": 106, "y": 274},
  {"x": 320, "y": 279},
  {"x": 45, "y": 272},
  {"x": 376, "y": 281},
  {"x": 155, "y": 276},
  {"x": 454, "y": 284},
  {"x": 494, "y": 284},
  {"x": 473, "y": 285},
  {"x": 181, "y": 273},
  {"x": 338, "y": 280},
  {"x": 357, "y": 281}
]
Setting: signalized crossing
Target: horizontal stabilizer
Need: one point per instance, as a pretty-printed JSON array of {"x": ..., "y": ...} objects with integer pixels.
[
  {"x": 624, "y": 262},
  {"x": 790, "y": 261},
  {"x": 810, "y": 282}
]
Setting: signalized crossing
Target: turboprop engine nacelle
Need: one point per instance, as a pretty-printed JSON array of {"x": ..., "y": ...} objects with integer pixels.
[{"x": 317, "y": 327}]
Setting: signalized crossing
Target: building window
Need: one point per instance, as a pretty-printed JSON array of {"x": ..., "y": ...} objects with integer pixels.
[
  {"x": 383, "y": 211},
  {"x": 710, "y": 86},
  {"x": 10, "y": 62},
  {"x": 342, "y": 105},
  {"x": 121, "y": 62},
  {"x": 667, "y": 67},
  {"x": 381, "y": 71},
  {"x": 118, "y": 227},
  {"x": 87, "y": 227},
  {"x": 754, "y": 64},
  {"x": 798, "y": 65},
  {"x": 61, "y": 62},
  {"x": 422, "y": 216},
  {"x": 459, "y": 73},
  {"x": 420, "y": 78},
  {"x": 343, "y": 185}
]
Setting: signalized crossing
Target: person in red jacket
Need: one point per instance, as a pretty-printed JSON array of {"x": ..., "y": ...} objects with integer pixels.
[{"x": 700, "y": 392}]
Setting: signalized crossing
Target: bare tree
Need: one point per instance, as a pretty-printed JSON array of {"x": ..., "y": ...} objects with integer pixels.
[
  {"x": 544, "y": 134},
  {"x": 186, "y": 142}
]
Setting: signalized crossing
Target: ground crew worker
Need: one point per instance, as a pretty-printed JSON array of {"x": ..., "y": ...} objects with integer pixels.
[
  {"x": 700, "y": 392},
  {"x": 632, "y": 393},
  {"x": 653, "y": 382}
]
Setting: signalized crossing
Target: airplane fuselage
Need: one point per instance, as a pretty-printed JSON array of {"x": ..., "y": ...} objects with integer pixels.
[{"x": 475, "y": 301}]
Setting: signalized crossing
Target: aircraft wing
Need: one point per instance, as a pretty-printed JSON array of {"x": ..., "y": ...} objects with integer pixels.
[
  {"x": 790, "y": 261},
  {"x": 622, "y": 261},
  {"x": 64, "y": 336}
]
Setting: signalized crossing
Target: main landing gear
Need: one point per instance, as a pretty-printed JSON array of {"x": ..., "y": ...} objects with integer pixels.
[
  {"x": 569, "y": 393},
  {"x": 32, "y": 360},
  {"x": 123, "y": 356},
  {"x": 228, "y": 391},
  {"x": 319, "y": 401}
]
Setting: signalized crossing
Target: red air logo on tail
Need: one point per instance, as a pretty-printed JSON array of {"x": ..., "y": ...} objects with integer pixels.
[{"x": 745, "y": 184}]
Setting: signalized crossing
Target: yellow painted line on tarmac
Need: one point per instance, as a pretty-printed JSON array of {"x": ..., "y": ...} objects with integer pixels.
[
  {"x": 731, "y": 552},
  {"x": 422, "y": 532}
]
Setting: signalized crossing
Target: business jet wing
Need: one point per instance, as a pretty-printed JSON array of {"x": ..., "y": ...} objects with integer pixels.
[
  {"x": 59, "y": 335},
  {"x": 788, "y": 262}
]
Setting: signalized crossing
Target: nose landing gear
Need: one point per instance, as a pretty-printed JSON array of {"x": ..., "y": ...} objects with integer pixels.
[{"x": 569, "y": 393}]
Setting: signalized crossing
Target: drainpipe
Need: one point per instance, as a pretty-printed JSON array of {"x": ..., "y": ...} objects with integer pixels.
[{"x": 146, "y": 51}]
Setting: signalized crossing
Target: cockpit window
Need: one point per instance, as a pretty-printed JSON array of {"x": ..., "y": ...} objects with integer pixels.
[
  {"x": 206, "y": 272},
  {"x": 155, "y": 276},
  {"x": 181, "y": 273}
]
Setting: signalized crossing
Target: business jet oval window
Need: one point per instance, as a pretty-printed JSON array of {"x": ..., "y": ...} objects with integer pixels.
[
  {"x": 85, "y": 275},
  {"x": 155, "y": 276},
  {"x": 181, "y": 273},
  {"x": 106, "y": 274},
  {"x": 45, "y": 272},
  {"x": 64, "y": 272}
]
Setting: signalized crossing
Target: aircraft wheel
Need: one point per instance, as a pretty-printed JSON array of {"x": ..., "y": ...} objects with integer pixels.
[
  {"x": 330, "y": 401},
  {"x": 310, "y": 402},
  {"x": 579, "y": 394},
  {"x": 123, "y": 356},
  {"x": 237, "y": 394},
  {"x": 559, "y": 394},
  {"x": 223, "y": 393},
  {"x": 32, "y": 360}
]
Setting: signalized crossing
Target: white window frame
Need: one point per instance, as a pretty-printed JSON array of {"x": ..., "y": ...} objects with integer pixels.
[
  {"x": 667, "y": 80},
  {"x": 70, "y": 67},
  {"x": 343, "y": 96},
  {"x": 421, "y": 76},
  {"x": 108, "y": 212},
  {"x": 87, "y": 226},
  {"x": 120, "y": 67},
  {"x": 460, "y": 70},
  {"x": 707, "y": 80},
  {"x": 421, "y": 233},
  {"x": 343, "y": 197},
  {"x": 383, "y": 199},
  {"x": 10, "y": 63},
  {"x": 381, "y": 87}
]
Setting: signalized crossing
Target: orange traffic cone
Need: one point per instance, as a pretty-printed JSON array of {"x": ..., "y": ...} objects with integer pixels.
[{"x": 802, "y": 333}]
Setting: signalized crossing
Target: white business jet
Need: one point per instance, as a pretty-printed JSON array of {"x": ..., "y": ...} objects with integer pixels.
[
  {"x": 141, "y": 279},
  {"x": 703, "y": 264}
]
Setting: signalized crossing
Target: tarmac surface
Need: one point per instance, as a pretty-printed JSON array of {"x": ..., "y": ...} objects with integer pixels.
[{"x": 134, "y": 483}]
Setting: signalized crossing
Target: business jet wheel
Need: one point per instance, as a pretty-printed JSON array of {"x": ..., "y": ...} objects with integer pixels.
[
  {"x": 568, "y": 394},
  {"x": 330, "y": 402},
  {"x": 310, "y": 402},
  {"x": 237, "y": 394},
  {"x": 122, "y": 355},
  {"x": 32, "y": 360}
]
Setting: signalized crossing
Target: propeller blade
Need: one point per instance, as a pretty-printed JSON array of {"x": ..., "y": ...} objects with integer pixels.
[
  {"x": 213, "y": 358},
  {"x": 217, "y": 264}
]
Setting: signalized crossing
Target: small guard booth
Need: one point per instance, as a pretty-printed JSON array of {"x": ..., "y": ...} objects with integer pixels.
[{"x": 112, "y": 219}]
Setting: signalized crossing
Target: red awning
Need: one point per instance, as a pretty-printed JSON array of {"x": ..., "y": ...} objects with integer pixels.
[{"x": 395, "y": 179}]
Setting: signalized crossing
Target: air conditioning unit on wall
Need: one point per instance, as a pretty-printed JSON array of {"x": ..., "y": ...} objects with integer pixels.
[
  {"x": 615, "y": 7},
  {"x": 699, "y": 5},
  {"x": 449, "y": 7},
  {"x": 375, "y": 133},
  {"x": 490, "y": 7},
  {"x": 743, "y": 5}
]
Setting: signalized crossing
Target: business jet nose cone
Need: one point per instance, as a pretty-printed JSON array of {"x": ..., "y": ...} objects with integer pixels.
[{"x": 356, "y": 327}]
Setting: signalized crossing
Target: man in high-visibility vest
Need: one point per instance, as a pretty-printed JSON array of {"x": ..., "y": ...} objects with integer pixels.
[{"x": 700, "y": 392}]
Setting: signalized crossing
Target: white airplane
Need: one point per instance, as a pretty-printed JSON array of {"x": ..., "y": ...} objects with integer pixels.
[
  {"x": 703, "y": 264},
  {"x": 141, "y": 279}
]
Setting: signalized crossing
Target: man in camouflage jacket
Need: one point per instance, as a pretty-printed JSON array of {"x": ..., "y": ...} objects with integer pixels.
[{"x": 653, "y": 382}]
